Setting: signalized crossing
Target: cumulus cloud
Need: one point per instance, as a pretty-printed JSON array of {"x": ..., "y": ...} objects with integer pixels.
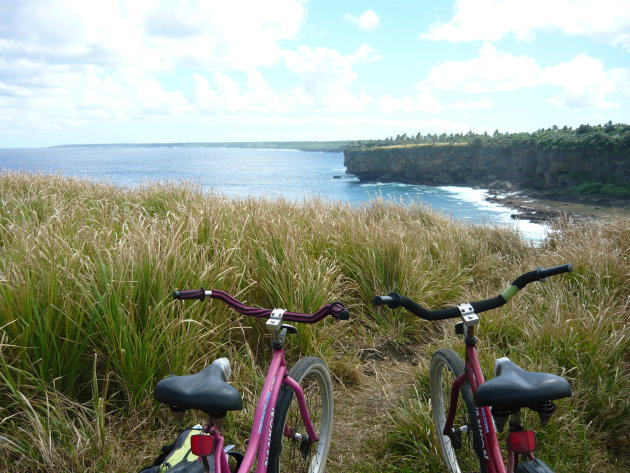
[
  {"x": 326, "y": 75},
  {"x": 491, "y": 20},
  {"x": 70, "y": 62},
  {"x": 582, "y": 82},
  {"x": 485, "y": 102},
  {"x": 77, "y": 99},
  {"x": 368, "y": 21},
  {"x": 67, "y": 62},
  {"x": 150, "y": 33},
  {"x": 365, "y": 54},
  {"x": 491, "y": 71},
  {"x": 424, "y": 101},
  {"x": 221, "y": 94},
  {"x": 586, "y": 83}
]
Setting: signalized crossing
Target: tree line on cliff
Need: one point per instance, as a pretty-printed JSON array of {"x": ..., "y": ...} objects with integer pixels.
[
  {"x": 590, "y": 138},
  {"x": 589, "y": 159}
]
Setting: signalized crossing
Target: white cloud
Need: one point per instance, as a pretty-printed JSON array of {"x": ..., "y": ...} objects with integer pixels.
[
  {"x": 71, "y": 99},
  {"x": 368, "y": 21},
  {"x": 221, "y": 94},
  {"x": 491, "y": 71},
  {"x": 424, "y": 101},
  {"x": 491, "y": 20},
  {"x": 485, "y": 102},
  {"x": 151, "y": 34},
  {"x": 364, "y": 54},
  {"x": 326, "y": 76},
  {"x": 68, "y": 62},
  {"x": 586, "y": 83}
]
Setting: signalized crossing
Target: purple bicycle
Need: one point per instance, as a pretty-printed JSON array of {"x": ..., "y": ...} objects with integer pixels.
[
  {"x": 285, "y": 436},
  {"x": 468, "y": 411}
]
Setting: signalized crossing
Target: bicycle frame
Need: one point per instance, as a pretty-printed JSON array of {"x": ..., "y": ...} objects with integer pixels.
[
  {"x": 260, "y": 437},
  {"x": 491, "y": 450}
]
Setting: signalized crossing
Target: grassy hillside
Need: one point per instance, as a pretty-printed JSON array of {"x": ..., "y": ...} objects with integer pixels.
[{"x": 87, "y": 325}]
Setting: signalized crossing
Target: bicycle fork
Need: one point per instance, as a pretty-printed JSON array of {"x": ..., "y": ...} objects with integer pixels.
[{"x": 483, "y": 417}]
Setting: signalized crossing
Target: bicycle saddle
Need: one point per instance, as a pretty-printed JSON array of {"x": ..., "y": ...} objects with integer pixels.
[
  {"x": 206, "y": 391},
  {"x": 512, "y": 386}
]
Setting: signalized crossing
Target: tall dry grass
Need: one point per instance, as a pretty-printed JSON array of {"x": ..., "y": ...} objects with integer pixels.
[{"x": 87, "y": 325}]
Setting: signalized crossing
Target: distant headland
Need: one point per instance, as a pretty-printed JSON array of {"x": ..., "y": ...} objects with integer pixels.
[
  {"x": 325, "y": 146},
  {"x": 563, "y": 162}
]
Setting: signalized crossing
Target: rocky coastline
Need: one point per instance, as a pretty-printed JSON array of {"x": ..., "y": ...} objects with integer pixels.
[
  {"x": 538, "y": 182},
  {"x": 527, "y": 208},
  {"x": 545, "y": 206}
]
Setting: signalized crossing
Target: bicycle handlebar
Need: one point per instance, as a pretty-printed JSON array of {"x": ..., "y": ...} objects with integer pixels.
[
  {"x": 394, "y": 300},
  {"x": 335, "y": 309}
]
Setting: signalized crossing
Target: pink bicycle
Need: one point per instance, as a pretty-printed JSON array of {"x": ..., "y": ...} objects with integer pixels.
[
  {"x": 467, "y": 411},
  {"x": 285, "y": 436}
]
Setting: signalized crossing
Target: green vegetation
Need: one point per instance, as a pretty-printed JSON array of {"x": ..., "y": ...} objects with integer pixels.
[
  {"x": 599, "y": 188},
  {"x": 87, "y": 325},
  {"x": 593, "y": 160},
  {"x": 608, "y": 138}
]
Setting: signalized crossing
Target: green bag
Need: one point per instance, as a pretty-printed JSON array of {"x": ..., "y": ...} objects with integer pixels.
[{"x": 178, "y": 458}]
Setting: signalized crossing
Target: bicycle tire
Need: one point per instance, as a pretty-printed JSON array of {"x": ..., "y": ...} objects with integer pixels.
[
  {"x": 290, "y": 455},
  {"x": 446, "y": 365}
]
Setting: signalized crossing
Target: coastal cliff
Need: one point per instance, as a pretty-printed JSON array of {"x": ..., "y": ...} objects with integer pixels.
[{"x": 523, "y": 165}]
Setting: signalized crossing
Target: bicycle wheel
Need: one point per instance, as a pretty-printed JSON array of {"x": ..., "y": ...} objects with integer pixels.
[
  {"x": 462, "y": 452},
  {"x": 291, "y": 450}
]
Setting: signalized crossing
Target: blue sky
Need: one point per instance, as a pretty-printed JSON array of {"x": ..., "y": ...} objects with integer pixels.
[{"x": 87, "y": 71}]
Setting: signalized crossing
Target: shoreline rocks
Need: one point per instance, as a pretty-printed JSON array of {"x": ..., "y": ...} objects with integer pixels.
[
  {"x": 528, "y": 208},
  {"x": 543, "y": 207}
]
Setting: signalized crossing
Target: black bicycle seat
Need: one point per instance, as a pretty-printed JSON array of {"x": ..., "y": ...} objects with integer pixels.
[
  {"x": 206, "y": 391},
  {"x": 514, "y": 387}
]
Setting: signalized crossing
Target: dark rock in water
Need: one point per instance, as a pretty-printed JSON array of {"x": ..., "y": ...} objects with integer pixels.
[
  {"x": 532, "y": 217},
  {"x": 336, "y": 177}
]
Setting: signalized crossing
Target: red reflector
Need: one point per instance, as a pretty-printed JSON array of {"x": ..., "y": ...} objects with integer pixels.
[
  {"x": 201, "y": 445},
  {"x": 522, "y": 441}
]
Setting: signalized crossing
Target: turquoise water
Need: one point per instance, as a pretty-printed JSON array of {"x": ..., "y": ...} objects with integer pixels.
[{"x": 290, "y": 174}]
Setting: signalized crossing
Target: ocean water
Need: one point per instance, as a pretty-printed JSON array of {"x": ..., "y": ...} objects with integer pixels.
[{"x": 289, "y": 174}]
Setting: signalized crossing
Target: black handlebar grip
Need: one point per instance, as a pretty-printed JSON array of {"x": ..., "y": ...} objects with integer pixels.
[
  {"x": 392, "y": 300},
  {"x": 380, "y": 300},
  {"x": 338, "y": 311},
  {"x": 199, "y": 294},
  {"x": 343, "y": 315},
  {"x": 564, "y": 268}
]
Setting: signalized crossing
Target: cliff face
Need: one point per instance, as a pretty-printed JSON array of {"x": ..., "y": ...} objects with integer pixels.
[{"x": 469, "y": 164}]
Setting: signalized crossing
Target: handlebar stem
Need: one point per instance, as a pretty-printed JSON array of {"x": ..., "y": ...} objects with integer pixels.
[
  {"x": 274, "y": 326},
  {"x": 469, "y": 317}
]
